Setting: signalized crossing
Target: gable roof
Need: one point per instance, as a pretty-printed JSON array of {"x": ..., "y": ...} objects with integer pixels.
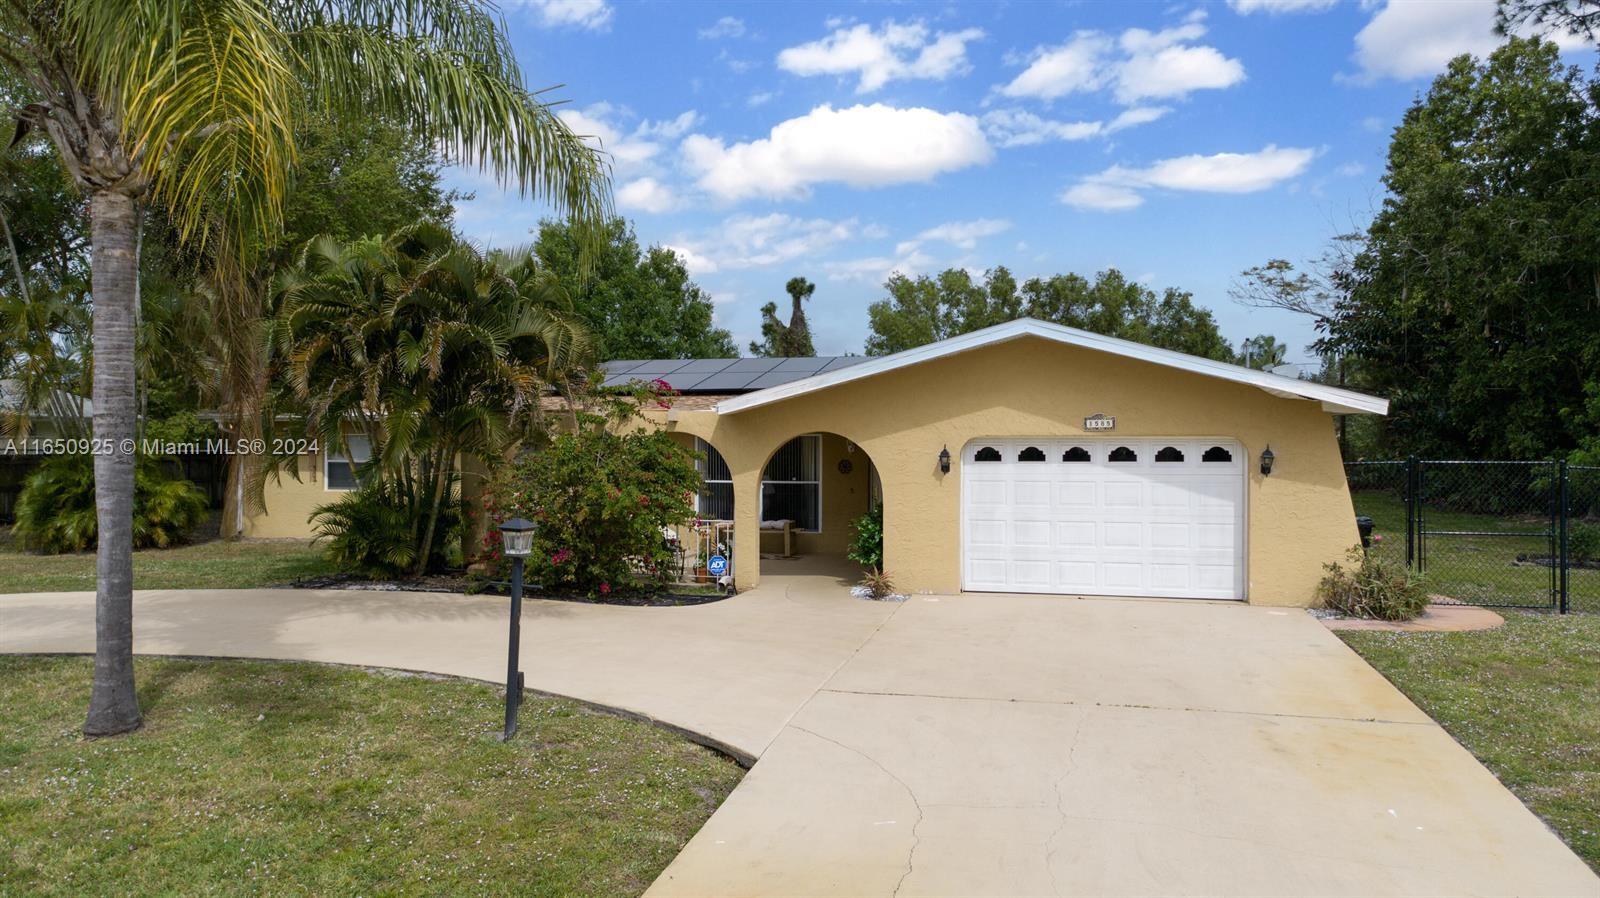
[{"x": 1333, "y": 399}]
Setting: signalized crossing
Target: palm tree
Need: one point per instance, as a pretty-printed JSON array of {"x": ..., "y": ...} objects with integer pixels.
[
  {"x": 428, "y": 347},
  {"x": 192, "y": 105}
]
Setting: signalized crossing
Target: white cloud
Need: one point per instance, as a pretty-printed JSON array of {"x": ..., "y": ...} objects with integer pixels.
[
  {"x": 1350, "y": 170},
  {"x": 1020, "y": 128},
  {"x": 877, "y": 269},
  {"x": 960, "y": 234},
  {"x": 1138, "y": 65},
  {"x": 862, "y": 146},
  {"x": 890, "y": 52},
  {"x": 1119, "y": 187},
  {"x": 1276, "y": 7},
  {"x": 759, "y": 99},
  {"x": 632, "y": 150},
  {"x": 759, "y": 241},
  {"x": 1408, "y": 40},
  {"x": 1373, "y": 123},
  {"x": 591, "y": 14},
  {"x": 727, "y": 26},
  {"x": 647, "y": 195},
  {"x": 1078, "y": 65}
]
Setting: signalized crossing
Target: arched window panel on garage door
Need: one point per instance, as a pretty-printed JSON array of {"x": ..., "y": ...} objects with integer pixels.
[{"x": 986, "y": 453}]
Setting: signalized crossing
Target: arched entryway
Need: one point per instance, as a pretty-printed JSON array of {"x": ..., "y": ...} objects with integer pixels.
[
  {"x": 814, "y": 488},
  {"x": 705, "y": 545}
]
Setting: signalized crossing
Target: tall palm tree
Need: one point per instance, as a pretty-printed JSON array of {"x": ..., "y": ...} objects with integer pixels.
[{"x": 192, "y": 105}]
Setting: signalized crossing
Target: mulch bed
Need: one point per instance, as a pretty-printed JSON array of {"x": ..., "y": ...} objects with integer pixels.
[{"x": 461, "y": 583}]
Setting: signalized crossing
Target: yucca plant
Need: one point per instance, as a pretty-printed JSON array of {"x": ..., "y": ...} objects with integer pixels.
[{"x": 56, "y": 508}]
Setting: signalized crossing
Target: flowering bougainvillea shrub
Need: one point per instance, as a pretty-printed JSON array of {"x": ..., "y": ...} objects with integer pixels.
[{"x": 600, "y": 496}]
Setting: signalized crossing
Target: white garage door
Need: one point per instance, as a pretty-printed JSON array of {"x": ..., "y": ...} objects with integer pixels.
[{"x": 1109, "y": 517}]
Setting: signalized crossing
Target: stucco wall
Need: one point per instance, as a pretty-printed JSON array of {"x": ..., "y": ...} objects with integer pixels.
[
  {"x": 289, "y": 503},
  {"x": 1297, "y": 519}
]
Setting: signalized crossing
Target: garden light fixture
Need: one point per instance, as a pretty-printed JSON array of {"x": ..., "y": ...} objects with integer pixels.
[
  {"x": 944, "y": 460},
  {"x": 1267, "y": 458},
  {"x": 517, "y": 537}
]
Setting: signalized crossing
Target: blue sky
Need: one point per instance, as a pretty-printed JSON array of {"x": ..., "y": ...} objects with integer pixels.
[{"x": 1180, "y": 143}]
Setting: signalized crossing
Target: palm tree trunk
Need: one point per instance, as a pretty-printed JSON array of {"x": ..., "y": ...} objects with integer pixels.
[
  {"x": 441, "y": 472},
  {"x": 113, "y": 706}
]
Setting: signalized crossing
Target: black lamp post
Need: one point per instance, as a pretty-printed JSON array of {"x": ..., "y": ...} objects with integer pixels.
[
  {"x": 944, "y": 460},
  {"x": 517, "y": 537},
  {"x": 1267, "y": 458}
]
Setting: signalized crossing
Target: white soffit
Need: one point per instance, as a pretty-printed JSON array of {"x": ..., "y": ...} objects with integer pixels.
[{"x": 1334, "y": 399}]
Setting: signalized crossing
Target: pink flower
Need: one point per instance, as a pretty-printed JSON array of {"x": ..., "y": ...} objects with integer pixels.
[
  {"x": 561, "y": 556},
  {"x": 605, "y": 588},
  {"x": 1377, "y": 537}
]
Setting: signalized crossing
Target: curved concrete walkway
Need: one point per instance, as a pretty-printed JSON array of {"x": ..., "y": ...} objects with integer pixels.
[{"x": 961, "y": 745}]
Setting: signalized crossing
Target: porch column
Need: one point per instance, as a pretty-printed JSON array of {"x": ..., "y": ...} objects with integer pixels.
[{"x": 746, "y": 528}]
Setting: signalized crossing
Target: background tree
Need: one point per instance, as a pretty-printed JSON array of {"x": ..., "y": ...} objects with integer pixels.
[
  {"x": 1576, "y": 17},
  {"x": 1261, "y": 352},
  {"x": 924, "y": 309},
  {"x": 1476, "y": 301},
  {"x": 792, "y": 340},
  {"x": 639, "y": 304},
  {"x": 193, "y": 106}
]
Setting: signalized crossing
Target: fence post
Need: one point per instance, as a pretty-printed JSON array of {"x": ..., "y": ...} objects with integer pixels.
[
  {"x": 1564, "y": 503},
  {"x": 1411, "y": 511}
]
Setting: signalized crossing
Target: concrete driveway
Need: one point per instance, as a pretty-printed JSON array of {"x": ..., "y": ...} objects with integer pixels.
[{"x": 963, "y": 745}]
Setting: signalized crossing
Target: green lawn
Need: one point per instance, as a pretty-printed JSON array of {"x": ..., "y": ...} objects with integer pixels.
[
  {"x": 1478, "y": 569},
  {"x": 1524, "y": 698},
  {"x": 215, "y": 564},
  {"x": 257, "y": 777}
]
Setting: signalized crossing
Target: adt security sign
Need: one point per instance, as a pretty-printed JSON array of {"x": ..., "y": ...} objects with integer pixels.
[{"x": 716, "y": 565}]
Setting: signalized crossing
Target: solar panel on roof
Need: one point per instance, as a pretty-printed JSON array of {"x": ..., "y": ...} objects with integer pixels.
[
  {"x": 811, "y": 365},
  {"x": 844, "y": 361},
  {"x": 687, "y": 380},
  {"x": 726, "y": 380},
  {"x": 756, "y": 365},
  {"x": 621, "y": 365},
  {"x": 707, "y": 365},
  {"x": 618, "y": 380},
  {"x": 776, "y": 378}
]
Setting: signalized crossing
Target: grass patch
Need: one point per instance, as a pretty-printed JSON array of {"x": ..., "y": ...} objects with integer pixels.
[
  {"x": 254, "y": 777},
  {"x": 216, "y": 564},
  {"x": 1478, "y": 569},
  {"x": 1524, "y": 698}
]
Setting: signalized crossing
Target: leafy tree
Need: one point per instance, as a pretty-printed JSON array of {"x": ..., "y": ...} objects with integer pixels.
[
  {"x": 639, "y": 304},
  {"x": 925, "y": 309},
  {"x": 792, "y": 340},
  {"x": 434, "y": 348},
  {"x": 1473, "y": 305},
  {"x": 192, "y": 107},
  {"x": 1261, "y": 352},
  {"x": 1576, "y": 17}
]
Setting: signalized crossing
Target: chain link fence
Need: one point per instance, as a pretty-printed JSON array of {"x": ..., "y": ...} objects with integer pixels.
[{"x": 1501, "y": 533}]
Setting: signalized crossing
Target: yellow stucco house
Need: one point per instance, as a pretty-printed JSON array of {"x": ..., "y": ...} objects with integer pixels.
[{"x": 1026, "y": 457}]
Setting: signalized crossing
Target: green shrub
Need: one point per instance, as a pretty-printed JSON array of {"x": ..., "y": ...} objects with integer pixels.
[
  {"x": 1583, "y": 541},
  {"x": 374, "y": 531},
  {"x": 56, "y": 513},
  {"x": 600, "y": 498},
  {"x": 1371, "y": 588},
  {"x": 866, "y": 541}
]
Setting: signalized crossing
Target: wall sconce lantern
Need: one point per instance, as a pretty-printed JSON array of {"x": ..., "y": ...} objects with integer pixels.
[
  {"x": 944, "y": 460},
  {"x": 1267, "y": 458}
]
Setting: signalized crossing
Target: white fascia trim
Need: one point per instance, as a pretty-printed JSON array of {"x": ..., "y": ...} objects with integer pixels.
[{"x": 1333, "y": 399}]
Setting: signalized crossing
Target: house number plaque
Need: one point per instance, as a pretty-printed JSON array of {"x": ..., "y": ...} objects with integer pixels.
[{"x": 1099, "y": 422}]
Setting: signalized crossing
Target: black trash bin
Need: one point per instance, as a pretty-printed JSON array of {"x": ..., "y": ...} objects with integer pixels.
[{"x": 1364, "y": 524}]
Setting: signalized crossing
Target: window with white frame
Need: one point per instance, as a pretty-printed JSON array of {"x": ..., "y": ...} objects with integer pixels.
[
  {"x": 339, "y": 469},
  {"x": 715, "y": 502},
  {"x": 791, "y": 484}
]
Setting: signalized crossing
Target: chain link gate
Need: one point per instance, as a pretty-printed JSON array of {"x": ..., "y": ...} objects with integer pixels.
[{"x": 1501, "y": 533}]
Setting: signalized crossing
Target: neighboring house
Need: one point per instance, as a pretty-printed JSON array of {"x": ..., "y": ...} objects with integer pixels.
[
  {"x": 1026, "y": 457},
  {"x": 58, "y": 414}
]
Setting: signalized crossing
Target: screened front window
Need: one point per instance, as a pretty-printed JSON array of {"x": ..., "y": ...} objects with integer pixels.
[
  {"x": 339, "y": 471},
  {"x": 715, "y": 502},
  {"x": 791, "y": 485}
]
